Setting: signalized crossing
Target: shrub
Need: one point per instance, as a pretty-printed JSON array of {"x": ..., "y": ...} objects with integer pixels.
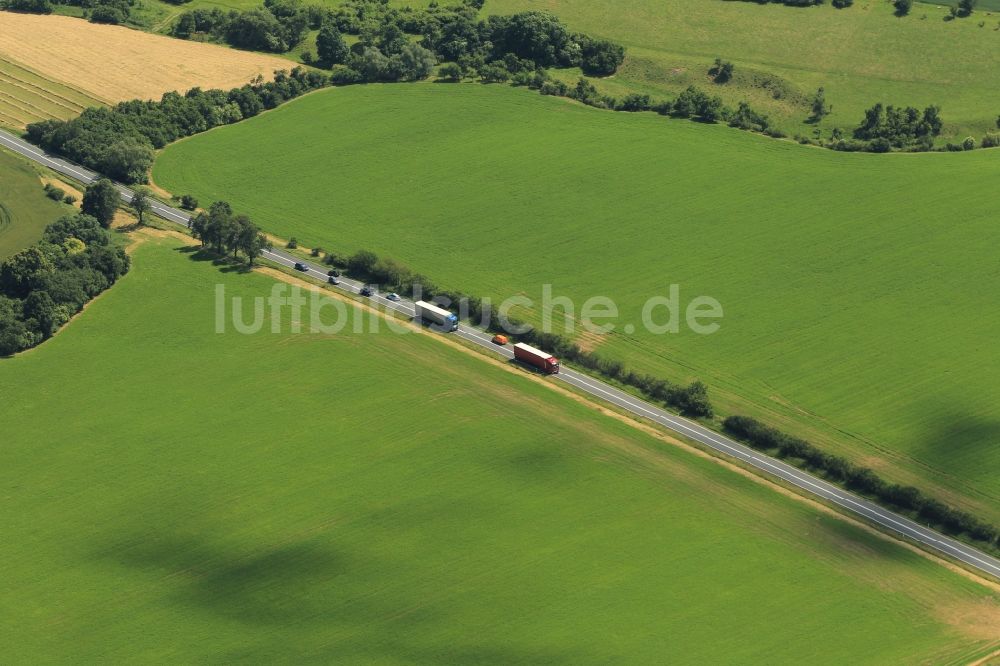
[
  {"x": 903, "y": 7},
  {"x": 635, "y": 102},
  {"x": 292, "y": 243},
  {"x": 991, "y": 140},
  {"x": 451, "y": 71},
  {"x": 722, "y": 72},
  {"x": 54, "y": 193},
  {"x": 969, "y": 143},
  {"x": 27, "y": 6},
  {"x": 599, "y": 57},
  {"x": 107, "y": 14}
]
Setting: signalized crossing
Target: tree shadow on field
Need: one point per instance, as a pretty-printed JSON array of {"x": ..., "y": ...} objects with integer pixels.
[
  {"x": 302, "y": 599},
  {"x": 225, "y": 264},
  {"x": 262, "y": 585},
  {"x": 961, "y": 443}
]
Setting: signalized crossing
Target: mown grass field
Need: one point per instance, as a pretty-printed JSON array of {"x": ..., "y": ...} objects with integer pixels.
[
  {"x": 860, "y": 55},
  {"x": 24, "y": 208},
  {"x": 177, "y": 495},
  {"x": 27, "y": 97},
  {"x": 859, "y": 290}
]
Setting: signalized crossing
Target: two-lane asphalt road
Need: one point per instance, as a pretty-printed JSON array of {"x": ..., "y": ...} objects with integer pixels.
[{"x": 812, "y": 485}]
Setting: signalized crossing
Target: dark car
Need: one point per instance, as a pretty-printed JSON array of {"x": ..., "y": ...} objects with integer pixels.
[
  {"x": 333, "y": 279},
  {"x": 333, "y": 273},
  {"x": 366, "y": 290},
  {"x": 299, "y": 266}
]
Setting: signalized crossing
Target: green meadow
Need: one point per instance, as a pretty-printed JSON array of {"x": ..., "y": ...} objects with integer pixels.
[
  {"x": 860, "y": 55},
  {"x": 177, "y": 495},
  {"x": 24, "y": 209},
  {"x": 859, "y": 290}
]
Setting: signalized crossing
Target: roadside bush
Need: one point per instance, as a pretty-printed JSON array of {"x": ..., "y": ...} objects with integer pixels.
[
  {"x": 365, "y": 265},
  {"x": 292, "y": 243},
  {"x": 54, "y": 193},
  {"x": 188, "y": 202}
]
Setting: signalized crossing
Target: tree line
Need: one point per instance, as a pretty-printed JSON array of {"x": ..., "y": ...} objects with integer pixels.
[
  {"x": 906, "y": 499},
  {"x": 97, "y": 11},
  {"x": 393, "y": 43},
  {"x": 44, "y": 285},
  {"x": 691, "y": 400},
  {"x": 119, "y": 141}
]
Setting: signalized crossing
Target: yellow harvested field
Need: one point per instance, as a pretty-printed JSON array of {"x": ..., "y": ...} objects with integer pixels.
[{"x": 114, "y": 63}]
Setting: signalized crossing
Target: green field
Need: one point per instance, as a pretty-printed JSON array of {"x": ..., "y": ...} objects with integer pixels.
[
  {"x": 859, "y": 290},
  {"x": 861, "y": 55},
  {"x": 24, "y": 208},
  {"x": 27, "y": 97},
  {"x": 186, "y": 496}
]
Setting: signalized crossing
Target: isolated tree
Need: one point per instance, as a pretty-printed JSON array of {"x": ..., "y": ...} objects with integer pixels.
[
  {"x": 330, "y": 45},
  {"x": 141, "y": 204},
  {"x": 100, "y": 200},
  {"x": 722, "y": 72},
  {"x": 903, "y": 7},
  {"x": 966, "y": 7},
  {"x": 820, "y": 108}
]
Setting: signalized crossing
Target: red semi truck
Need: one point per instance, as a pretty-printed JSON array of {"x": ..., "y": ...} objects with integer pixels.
[{"x": 545, "y": 362}]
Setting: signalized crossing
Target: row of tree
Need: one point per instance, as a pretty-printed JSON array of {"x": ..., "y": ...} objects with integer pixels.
[
  {"x": 692, "y": 400},
  {"x": 42, "y": 286},
  {"x": 863, "y": 480},
  {"x": 119, "y": 141},
  {"x": 221, "y": 230},
  {"x": 276, "y": 26},
  {"x": 98, "y": 11},
  {"x": 887, "y": 127},
  {"x": 448, "y": 34}
]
